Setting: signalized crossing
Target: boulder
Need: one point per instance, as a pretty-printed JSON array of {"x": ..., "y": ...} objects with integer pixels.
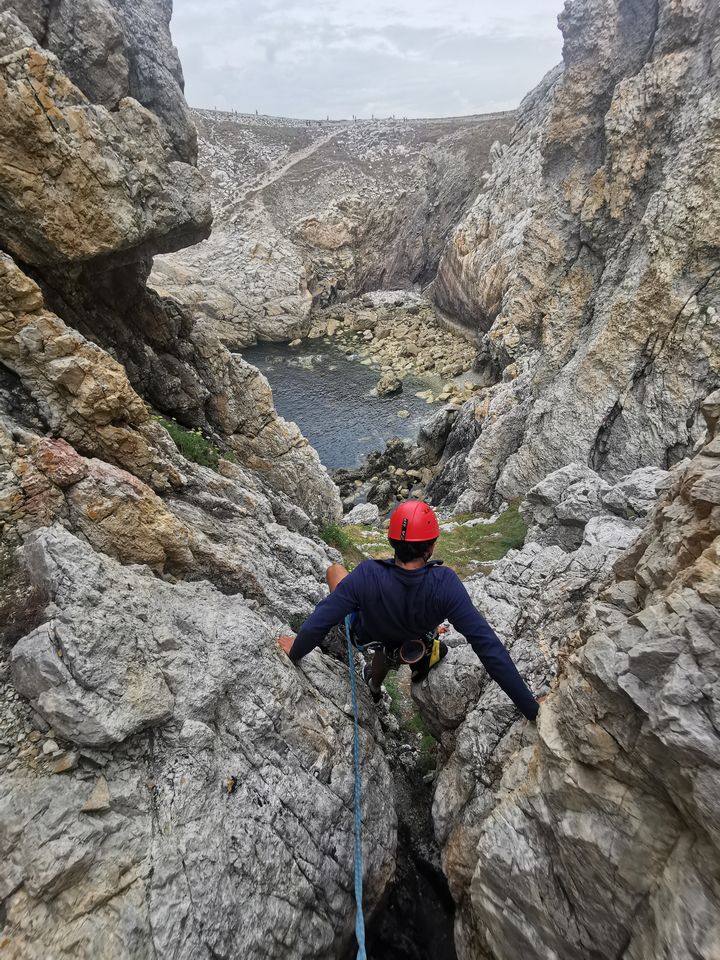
[
  {"x": 363, "y": 513},
  {"x": 388, "y": 384}
]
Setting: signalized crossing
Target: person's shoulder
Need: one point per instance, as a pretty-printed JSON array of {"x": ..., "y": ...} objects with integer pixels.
[
  {"x": 449, "y": 583},
  {"x": 364, "y": 570},
  {"x": 444, "y": 574}
]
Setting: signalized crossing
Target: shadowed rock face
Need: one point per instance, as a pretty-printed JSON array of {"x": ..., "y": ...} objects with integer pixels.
[
  {"x": 590, "y": 261},
  {"x": 307, "y": 212},
  {"x": 594, "y": 836}
]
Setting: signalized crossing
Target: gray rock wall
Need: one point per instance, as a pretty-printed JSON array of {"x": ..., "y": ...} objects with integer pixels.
[
  {"x": 193, "y": 797},
  {"x": 590, "y": 262},
  {"x": 595, "y": 835}
]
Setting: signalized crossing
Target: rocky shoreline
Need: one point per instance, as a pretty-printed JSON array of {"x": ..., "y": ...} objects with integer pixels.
[{"x": 399, "y": 333}]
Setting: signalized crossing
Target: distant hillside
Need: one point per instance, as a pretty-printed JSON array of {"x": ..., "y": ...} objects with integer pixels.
[{"x": 307, "y": 211}]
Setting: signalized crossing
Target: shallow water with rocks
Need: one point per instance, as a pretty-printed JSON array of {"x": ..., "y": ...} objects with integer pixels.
[{"x": 329, "y": 394}]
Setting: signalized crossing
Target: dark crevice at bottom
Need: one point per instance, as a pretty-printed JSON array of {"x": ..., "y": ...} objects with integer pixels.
[{"x": 416, "y": 921}]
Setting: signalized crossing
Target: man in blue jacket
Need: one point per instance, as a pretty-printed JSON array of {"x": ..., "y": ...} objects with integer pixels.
[{"x": 400, "y": 602}]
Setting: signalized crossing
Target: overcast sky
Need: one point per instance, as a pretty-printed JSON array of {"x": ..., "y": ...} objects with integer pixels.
[{"x": 415, "y": 58}]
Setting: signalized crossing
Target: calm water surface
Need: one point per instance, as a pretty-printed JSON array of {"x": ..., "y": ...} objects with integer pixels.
[{"x": 327, "y": 393}]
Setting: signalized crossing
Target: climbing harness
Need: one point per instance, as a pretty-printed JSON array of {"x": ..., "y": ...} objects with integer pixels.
[{"x": 359, "y": 917}]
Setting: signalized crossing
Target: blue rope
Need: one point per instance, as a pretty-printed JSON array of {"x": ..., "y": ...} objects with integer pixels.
[{"x": 359, "y": 918}]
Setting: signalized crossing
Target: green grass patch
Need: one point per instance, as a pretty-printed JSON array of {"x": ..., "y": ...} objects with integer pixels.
[
  {"x": 467, "y": 550},
  {"x": 194, "y": 445},
  {"x": 341, "y": 538}
]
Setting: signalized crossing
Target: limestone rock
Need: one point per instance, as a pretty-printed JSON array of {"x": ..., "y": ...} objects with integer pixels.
[
  {"x": 111, "y": 49},
  {"x": 575, "y": 503},
  {"x": 365, "y": 513},
  {"x": 590, "y": 260},
  {"x": 583, "y": 838},
  {"x": 389, "y": 383},
  {"x": 82, "y": 392},
  {"x": 229, "y": 817},
  {"x": 78, "y": 182}
]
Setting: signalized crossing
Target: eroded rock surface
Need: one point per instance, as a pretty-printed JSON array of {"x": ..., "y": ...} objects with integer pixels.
[
  {"x": 221, "y": 821},
  {"x": 591, "y": 260},
  {"x": 596, "y": 835},
  {"x": 170, "y": 784},
  {"x": 307, "y": 212}
]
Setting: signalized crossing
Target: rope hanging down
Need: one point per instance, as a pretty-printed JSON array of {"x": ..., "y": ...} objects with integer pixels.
[{"x": 359, "y": 918}]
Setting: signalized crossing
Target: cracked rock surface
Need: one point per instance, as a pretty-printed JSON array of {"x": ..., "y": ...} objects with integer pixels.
[
  {"x": 220, "y": 822},
  {"x": 590, "y": 263},
  {"x": 594, "y": 835}
]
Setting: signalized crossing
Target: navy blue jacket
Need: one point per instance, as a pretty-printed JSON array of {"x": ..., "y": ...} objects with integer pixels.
[{"x": 395, "y": 605}]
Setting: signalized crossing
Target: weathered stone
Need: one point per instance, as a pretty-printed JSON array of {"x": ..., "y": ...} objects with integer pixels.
[
  {"x": 72, "y": 172},
  {"x": 585, "y": 837},
  {"x": 589, "y": 261},
  {"x": 365, "y": 513},
  {"x": 389, "y": 383},
  {"x": 244, "y": 791}
]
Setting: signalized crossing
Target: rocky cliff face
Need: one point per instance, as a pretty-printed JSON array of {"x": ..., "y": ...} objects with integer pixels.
[
  {"x": 169, "y": 785},
  {"x": 590, "y": 264},
  {"x": 307, "y": 212},
  {"x": 89, "y": 190},
  {"x": 596, "y": 835}
]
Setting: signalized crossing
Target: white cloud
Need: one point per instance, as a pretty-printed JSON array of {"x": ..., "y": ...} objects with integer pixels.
[{"x": 411, "y": 57}]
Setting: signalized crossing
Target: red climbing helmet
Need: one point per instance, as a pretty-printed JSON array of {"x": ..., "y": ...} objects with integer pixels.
[{"x": 413, "y": 521}]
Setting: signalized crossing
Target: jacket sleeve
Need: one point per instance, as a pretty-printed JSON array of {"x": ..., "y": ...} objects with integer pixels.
[
  {"x": 493, "y": 655},
  {"x": 329, "y": 612}
]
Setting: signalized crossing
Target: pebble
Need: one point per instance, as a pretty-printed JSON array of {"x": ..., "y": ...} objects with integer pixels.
[
  {"x": 99, "y": 799},
  {"x": 67, "y": 762},
  {"x": 50, "y": 746}
]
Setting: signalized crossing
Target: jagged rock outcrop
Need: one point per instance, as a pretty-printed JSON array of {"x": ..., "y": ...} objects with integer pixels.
[
  {"x": 591, "y": 261},
  {"x": 170, "y": 785},
  {"x": 113, "y": 49},
  {"x": 194, "y": 798},
  {"x": 307, "y": 212},
  {"x": 596, "y": 836},
  {"x": 88, "y": 192}
]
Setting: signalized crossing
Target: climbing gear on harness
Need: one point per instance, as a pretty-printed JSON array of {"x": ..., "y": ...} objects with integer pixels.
[
  {"x": 412, "y": 651},
  {"x": 435, "y": 655},
  {"x": 414, "y": 521},
  {"x": 367, "y": 676},
  {"x": 437, "y": 651},
  {"x": 359, "y": 917}
]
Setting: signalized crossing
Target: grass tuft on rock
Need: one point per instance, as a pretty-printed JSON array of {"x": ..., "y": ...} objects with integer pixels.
[
  {"x": 339, "y": 537},
  {"x": 193, "y": 445}
]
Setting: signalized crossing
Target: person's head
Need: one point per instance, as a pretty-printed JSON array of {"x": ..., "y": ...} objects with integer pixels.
[{"x": 413, "y": 530}]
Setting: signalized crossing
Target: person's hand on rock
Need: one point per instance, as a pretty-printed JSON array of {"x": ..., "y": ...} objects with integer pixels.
[{"x": 285, "y": 642}]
